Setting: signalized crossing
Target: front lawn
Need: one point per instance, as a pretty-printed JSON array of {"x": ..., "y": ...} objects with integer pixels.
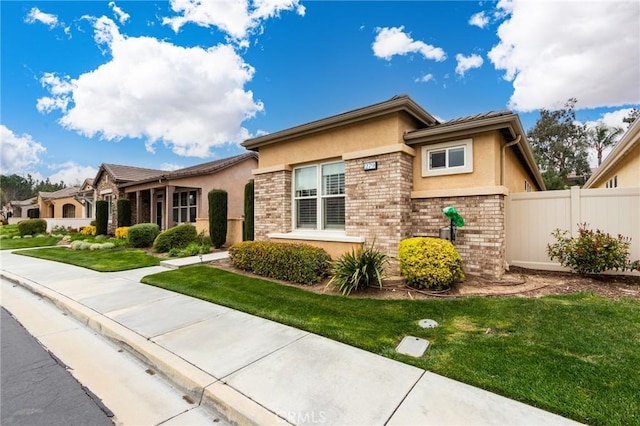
[
  {"x": 20, "y": 243},
  {"x": 577, "y": 355},
  {"x": 112, "y": 260}
]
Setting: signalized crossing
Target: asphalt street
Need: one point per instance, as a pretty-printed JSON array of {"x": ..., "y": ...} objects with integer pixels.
[{"x": 36, "y": 389}]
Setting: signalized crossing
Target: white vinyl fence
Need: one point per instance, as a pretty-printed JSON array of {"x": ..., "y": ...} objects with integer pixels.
[{"x": 533, "y": 216}]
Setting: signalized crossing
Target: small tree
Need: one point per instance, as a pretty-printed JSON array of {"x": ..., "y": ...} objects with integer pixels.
[
  {"x": 124, "y": 212},
  {"x": 249, "y": 211},
  {"x": 602, "y": 136},
  {"x": 218, "y": 200},
  {"x": 102, "y": 217}
]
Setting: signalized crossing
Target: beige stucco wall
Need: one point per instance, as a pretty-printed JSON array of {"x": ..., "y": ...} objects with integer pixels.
[
  {"x": 627, "y": 170},
  {"x": 58, "y": 203},
  {"x": 486, "y": 166},
  {"x": 372, "y": 133},
  {"x": 516, "y": 174}
]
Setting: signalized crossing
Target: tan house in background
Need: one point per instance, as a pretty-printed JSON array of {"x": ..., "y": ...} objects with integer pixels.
[
  {"x": 180, "y": 196},
  {"x": 621, "y": 168},
  {"x": 384, "y": 172},
  {"x": 60, "y": 204}
]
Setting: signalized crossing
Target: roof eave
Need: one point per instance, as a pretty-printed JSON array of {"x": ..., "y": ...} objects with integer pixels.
[{"x": 401, "y": 103}]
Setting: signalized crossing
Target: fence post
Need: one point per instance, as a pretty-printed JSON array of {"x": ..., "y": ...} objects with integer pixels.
[{"x": 575, "y": 210}]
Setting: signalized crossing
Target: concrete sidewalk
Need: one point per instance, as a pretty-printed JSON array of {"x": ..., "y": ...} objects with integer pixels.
[{"x": 255, "y": 371}]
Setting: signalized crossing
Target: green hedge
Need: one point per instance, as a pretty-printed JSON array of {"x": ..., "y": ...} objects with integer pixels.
[
  {"x": 142, "y": 234},
  {"x": 177, "y": 237},
  {"x": 32, "y": 227},
  {"x": 299, "y": 263},
  {"x": 218, "y": 200},
  {"x": 124, "y": 212},
  {"x": 102, "y": 217},
  {"x": 249, "y": 196}
]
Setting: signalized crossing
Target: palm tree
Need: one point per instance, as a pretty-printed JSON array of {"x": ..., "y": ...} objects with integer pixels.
[{"x": 602, "y": 136}]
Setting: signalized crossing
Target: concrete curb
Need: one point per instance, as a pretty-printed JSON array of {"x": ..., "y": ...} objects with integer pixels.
[{"x": 200, "y": 386}]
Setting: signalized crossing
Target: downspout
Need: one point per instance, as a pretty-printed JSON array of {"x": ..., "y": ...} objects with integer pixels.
[{"x": 503, "y": 158}]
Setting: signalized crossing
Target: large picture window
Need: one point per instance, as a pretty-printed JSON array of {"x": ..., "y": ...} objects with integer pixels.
[
  {"x": 185, "y": 206},
  {"x": 447, "y": 158},
  {"x": 319, "y": 197}
]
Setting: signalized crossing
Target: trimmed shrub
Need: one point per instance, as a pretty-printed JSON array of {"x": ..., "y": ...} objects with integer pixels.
[
  {"x": 102, "y": 217},
  {"x": 124, "y": 212},
  {"x": 142, "y": 234},
  {"x": 429, "y": 263},
  {"x": 299, "y": 263},
  {"x": 88, "y": 230},
  {"x": 121, "y": 233},
  {"x": 177, "y": 237},
  {"x": 591, "y": 252},
  {"x": 218, "y": 217},
  {"x": 32, "y": 226},
  {"x": 249, "y": 197},
  {"x": 358, "y": 269}
]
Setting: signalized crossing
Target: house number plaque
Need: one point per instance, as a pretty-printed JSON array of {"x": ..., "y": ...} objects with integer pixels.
[{"x": 370, "y": 165}]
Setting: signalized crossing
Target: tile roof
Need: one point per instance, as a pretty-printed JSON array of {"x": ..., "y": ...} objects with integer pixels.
[
  {"x": 130, "y": 173},
  {"x": 476, "y": 117},
  {"x": 62, "y": 193}
]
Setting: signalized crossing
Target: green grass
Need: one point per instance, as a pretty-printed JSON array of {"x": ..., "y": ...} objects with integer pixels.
[
  {"x": 7, "y": 244},
  {"x": 99, "y": 260},
  {"x": 577, "y": 355}
]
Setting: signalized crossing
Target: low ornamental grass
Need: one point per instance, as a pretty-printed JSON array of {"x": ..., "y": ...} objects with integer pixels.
[{"x": 574, "y": 355}]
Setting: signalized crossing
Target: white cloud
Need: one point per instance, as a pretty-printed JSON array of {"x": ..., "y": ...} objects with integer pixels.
[
  {"x": 479, "y": 20},
  {"x": 70, "y": 173},
  {"x": 170, "y": 167},
  {"x": 236, "y": 18},
  {"x": 556, "y": 50},
  {"x": 465, "y": 63},
  {"x": 36, "y": 15},
  {"x": 192, "y": 99},
  {"x": 394, "y": 41},
  {"x": 18, "y": 153},
  {"x": 123, "y": 16},
  {"x": 425, "y": 78},
  {"x": 613, "y": 119}
]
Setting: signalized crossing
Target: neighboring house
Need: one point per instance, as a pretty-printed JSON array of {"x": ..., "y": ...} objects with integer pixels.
[
  {"x": 24, "y": 209},
  {"x": 382, "y": 173},
  {"x": 621, "y": 168},
  {"x": 180, "y": 196},
  {"x": 85, "y": 197},
  {"x": 61, "y": 204}
]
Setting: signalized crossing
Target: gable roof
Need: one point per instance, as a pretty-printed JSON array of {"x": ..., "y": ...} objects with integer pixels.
[
  {"x": 629, "y": 140},
  {"x": 199, "y": 169},
  {"x": 395, "y": 104},
  {"x": 62, "y": 193},
  {"x": 122, "y": 173}
]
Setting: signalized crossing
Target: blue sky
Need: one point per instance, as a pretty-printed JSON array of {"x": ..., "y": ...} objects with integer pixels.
[{"x": 172, "y": 84}]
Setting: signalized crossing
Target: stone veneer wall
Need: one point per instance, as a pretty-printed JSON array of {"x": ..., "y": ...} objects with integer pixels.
[
  {"x": 378, "y": 202},
  {"x": 481, "y": 242},
  {"x": 272, "y": 203},
  {"x": 106, "y": 183}
]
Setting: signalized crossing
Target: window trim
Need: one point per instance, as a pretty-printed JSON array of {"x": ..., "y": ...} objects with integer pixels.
[
  {"x": 319, "y": 197},
  {"x": 108, "y": 197},
  {"x": 188, "y": 206},
  {"x": 467, "y": 144}
]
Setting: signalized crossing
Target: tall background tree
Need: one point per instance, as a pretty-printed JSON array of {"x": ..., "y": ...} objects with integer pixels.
[
  {"x": 15, "y": 187},
  {"x": 601, "y": 137},
  {"x": 633, "y": 115},
  {"x": 560, "y": 146}
]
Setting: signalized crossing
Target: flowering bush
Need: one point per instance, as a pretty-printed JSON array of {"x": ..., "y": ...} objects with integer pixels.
[
  {"x": 88, "y": 230},
  {"x": 430, "y": 263},
  {"x": 591, "y": 252},
  {"x": 122, "y": 233}
]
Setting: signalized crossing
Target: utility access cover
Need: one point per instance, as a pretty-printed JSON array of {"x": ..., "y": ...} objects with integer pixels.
[
  {"x": 427, "y": 323},
  {"x": 412, "y": 346}
]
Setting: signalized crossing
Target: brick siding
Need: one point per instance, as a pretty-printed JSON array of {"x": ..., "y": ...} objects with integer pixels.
[{"x": 272, "y": 203}]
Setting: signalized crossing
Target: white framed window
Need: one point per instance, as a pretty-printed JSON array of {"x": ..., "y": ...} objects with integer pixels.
[
  {"x": 612, "y": 183},
  {"x": 447, "y": 158},
  {"x": 527, "y": 186},
  {"x": 185, "y": 206},
  {"x": 319, "y": 197},
  {"x": 109, "y": 199}
]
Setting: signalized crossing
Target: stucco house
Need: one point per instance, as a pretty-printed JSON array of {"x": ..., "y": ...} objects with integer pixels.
[
  {"x": 621, "y": 168},
  {"x": 180, "y": 196},
  {"x": 382, "y": 173}
]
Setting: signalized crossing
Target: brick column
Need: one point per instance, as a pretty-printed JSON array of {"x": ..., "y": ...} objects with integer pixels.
[{"x": 272, "y": 203}]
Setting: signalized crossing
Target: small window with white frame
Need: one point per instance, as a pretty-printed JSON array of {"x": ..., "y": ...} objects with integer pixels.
[
  {"x": 527, "y": 186},
  {"x": 612, "y": 183},
  {"x": 447, "y": 158}
]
